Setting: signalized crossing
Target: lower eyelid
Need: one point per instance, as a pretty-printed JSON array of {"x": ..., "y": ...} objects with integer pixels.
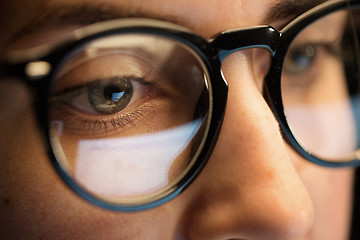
[{"x": 92, "y": 127}]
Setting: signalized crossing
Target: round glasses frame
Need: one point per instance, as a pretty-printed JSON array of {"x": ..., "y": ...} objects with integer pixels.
[{"x": 212, "y": 52}]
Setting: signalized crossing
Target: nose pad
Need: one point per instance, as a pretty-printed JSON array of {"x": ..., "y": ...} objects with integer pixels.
[{"x": 261, "y": 62}]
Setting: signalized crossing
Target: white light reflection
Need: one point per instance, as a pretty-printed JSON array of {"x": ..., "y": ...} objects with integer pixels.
[
  {"x": 326, "y": 130},
  {"x": 130, "y": 166}
]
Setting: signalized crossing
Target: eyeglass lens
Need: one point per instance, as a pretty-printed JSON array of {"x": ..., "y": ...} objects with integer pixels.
[
  {"x": 128, "y": 113},
  {"x": 320, "y": 86}
]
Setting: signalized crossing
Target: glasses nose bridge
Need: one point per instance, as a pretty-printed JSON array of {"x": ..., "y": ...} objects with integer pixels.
[{"x": 235, "y": 40}]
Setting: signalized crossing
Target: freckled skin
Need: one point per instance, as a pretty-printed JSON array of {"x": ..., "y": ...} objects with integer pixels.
[{"x": 253, "y": 187}]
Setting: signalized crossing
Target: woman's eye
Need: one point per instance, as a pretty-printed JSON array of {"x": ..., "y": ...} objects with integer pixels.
[
  {"x": 104, "y": 97},
  {"x": 299, "y": 59},
  {"x": 103, "y": 105},
  {"x": 307, "y": 68},
  {"x": 305, "y": 64},
  {"x": 303, "y": 58}
]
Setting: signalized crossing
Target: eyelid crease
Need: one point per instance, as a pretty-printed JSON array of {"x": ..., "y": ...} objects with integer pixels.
[{"x": 83, "y": 55}]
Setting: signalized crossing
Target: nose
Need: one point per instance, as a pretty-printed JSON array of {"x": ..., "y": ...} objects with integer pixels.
[{"x": 249, "y": 188}]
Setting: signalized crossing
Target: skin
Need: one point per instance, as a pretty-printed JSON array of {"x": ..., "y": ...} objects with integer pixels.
[{"x": 253, "y": 187}]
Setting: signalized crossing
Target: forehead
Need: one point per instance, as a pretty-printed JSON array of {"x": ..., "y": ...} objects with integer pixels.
[
  {"x": 186, "y": 12},
  {"x": 206, "y": 17}
]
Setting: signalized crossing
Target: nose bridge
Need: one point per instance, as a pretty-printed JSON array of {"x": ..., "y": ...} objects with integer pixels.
[
  {"x": 238, "y": 39},
  {"x": 252, "y": 190}
]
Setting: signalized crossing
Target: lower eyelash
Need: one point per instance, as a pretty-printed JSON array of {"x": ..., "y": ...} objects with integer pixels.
[
  {"x": 126, "y": 121},
  {"x": 78, "y": 126}
]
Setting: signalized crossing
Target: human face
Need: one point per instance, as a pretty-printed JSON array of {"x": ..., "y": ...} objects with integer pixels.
[{"x": 253, "y": 187}]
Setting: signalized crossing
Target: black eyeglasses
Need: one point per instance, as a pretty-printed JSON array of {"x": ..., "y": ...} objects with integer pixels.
[{"x": 131, "y": 109}]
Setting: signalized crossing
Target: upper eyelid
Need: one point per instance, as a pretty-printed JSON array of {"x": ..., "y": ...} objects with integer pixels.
[{"x": 100, "y": 52}]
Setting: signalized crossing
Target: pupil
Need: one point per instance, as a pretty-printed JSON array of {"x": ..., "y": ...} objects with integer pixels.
[{"x": 113, "y": 93}]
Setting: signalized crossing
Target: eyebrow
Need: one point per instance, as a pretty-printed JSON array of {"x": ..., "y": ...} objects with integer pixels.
[
  {"x": 290, "y": 9},
  {"x": 85, "y": 14}
]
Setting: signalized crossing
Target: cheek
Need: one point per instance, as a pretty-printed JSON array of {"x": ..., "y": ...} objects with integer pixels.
[
  {"x": 331, "y": 193},
  {"x": 33, "y": 200},
  {"x": 26, "y": 179}
]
